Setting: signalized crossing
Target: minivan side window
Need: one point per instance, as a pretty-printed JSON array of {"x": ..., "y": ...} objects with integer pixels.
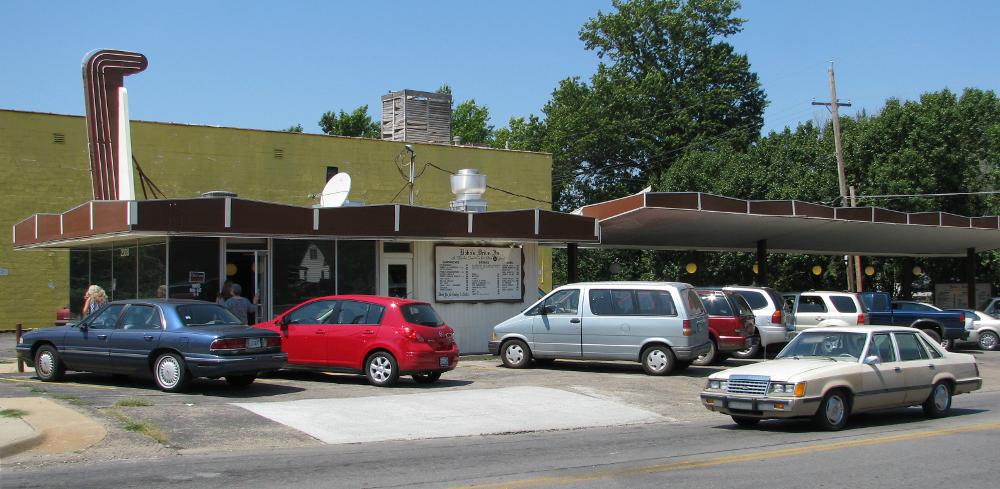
[
  {"x": 655, "y": 303},
  {"x": 843, "y": 303},
  {"x": 565, "y": 301},
  {"x": 811, "y": 303},
  {"x": 629, "y": 302}
]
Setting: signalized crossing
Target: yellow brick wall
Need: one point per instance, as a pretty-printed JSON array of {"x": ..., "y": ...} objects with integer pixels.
[{"x": 40, "y": 176}]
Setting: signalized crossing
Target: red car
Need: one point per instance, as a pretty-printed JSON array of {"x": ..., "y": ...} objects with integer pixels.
[
  {"x": 730, "y": 324},
  {"x": 380, "y": 337}
]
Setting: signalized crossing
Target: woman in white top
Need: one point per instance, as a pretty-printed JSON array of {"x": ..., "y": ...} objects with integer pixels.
[{"x": 94, "y": 299}]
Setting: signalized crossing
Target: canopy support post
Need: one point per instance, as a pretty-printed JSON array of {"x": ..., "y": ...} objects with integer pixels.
[
  {"x": 970, "y": 275},
  {"x": 572, "y": 269},
  {"x": 762, "y": 263}
]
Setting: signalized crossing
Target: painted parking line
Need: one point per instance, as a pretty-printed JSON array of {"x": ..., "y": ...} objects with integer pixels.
[
  {"x": 729, "y": 459},
  {"x": 73, "y": 384}
]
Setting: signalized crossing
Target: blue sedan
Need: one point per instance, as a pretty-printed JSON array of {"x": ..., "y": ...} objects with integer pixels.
[{"x": 173, "y": 341}]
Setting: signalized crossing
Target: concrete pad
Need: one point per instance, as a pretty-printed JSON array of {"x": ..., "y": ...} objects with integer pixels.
[
  {"x": 448, "y": 413},
  {"x": 16, "y": 436},
  {"x": 63, "y": 429}
]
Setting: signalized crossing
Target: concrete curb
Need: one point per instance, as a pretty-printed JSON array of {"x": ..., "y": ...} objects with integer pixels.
[
  {"x": 55, "y": 428},
  {"x": 18, "y": 436}
]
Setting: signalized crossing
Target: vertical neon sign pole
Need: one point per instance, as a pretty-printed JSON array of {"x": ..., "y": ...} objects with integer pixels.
[{"x": 108, "y": 133}]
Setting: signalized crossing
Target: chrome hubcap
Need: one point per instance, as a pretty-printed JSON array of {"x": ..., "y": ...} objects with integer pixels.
[
  {"x": 380, "y": 368},
  {"x": 46, "y": 364},
  {"x": 657, "y": 360},
  {"x": 941, "y": 397},
  {"x": 987, "y": 341},
  {"x": 168, "y": 371},
  {"x": 835, "y": 410},
  {"x": 514, "y": 353}
]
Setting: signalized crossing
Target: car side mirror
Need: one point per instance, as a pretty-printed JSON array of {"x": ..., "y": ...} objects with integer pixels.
[
  {"x": 284, "y": 322},
  {"x": 549, "y": 310},
  {"x": 872, "y": 360}
]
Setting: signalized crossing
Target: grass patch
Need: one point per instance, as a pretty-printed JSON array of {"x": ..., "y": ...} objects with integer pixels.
[
  {"x": 13, "y": 413},
  {"x": 72, "y": 399},
  {"x": 37, "y": 389},
  {"x": 132, "y": 402},
  {"x": 141, "y": 427}
]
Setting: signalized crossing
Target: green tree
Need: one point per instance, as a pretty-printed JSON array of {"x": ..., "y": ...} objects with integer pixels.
[
  {"x": 357, "y": 124},
  {"x": 470, "y": 122},
  {"x": 295, "y": 128},
  {"x": 668, "y": 82},
  {"x": 522, "y": 134}
]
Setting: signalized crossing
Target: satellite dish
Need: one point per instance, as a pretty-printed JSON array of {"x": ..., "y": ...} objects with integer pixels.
[{"x": 336, "y": 190}]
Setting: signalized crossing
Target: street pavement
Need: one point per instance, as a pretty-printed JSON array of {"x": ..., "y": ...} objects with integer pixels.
[{"x": 899, "y": 448}]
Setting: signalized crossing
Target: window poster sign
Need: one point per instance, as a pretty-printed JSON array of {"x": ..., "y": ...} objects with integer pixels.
[{"x": 478, "y": 274}]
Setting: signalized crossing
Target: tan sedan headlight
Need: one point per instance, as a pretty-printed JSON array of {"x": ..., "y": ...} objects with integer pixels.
[
  {"x": 717, "y": 384},
  {"x": 787, "y": 389}
]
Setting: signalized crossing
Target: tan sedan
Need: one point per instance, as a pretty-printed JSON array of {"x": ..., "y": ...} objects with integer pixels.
[{"x": 831, "y": 373}]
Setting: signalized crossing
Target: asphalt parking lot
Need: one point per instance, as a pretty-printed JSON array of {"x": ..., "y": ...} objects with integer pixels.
[{"x": 206, "y": 418}]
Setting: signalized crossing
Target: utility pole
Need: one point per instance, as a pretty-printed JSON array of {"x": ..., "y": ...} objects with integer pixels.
[
  {"x": 857, "y": 259},
  {"x": 409, "y": 148},
  {"x": 834, "y": 105}
]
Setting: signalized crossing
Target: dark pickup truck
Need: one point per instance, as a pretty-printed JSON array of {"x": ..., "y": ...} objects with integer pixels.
[{"x": 943, "y": 326}]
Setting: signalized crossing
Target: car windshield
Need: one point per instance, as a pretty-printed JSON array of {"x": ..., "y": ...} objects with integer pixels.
[
  {"x": 206, "y": 315},
  {"x": 422, "y": 314},
  {"x": 825, "y": 344}
]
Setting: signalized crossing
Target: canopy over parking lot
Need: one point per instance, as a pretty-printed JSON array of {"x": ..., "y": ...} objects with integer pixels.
[{"x": 697, "y": 221}]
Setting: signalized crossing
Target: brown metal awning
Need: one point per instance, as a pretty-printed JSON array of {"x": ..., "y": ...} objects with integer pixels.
[
  {"x": 104, "y": 221},
  {"x": 698, "y": 221}
]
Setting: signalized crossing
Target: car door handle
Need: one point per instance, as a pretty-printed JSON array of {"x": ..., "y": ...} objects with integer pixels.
[
  {"x": 897, "y": 369},
  {"x": 368, "y": 332},
  {"x": 320, "y": 331},
  {"x": 575, "y": 320},
  {"x": 930, "y": 366},
  {"x": 102, "y": 336},
  {"x": 148, "y": 337}
]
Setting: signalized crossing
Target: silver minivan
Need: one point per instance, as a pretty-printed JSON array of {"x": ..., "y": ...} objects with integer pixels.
[{"x": 662, "y": 325}]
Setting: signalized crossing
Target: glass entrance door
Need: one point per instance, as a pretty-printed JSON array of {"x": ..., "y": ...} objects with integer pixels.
[
  {"x": 396, "y": 277},
  {"x": 252, "y": 272}
]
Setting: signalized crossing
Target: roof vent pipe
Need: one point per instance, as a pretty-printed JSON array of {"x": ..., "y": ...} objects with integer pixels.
[{"x": 468, "y": 185}]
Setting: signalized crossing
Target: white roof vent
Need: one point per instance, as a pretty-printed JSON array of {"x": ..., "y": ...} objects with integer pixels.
[{"x": 468, "y": 185}]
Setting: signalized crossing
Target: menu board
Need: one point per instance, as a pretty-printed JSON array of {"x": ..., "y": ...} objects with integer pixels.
[{"x": 478, "y": 274}]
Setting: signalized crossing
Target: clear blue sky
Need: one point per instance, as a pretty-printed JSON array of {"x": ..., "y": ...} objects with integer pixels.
[{"x": 270, "y": 65}]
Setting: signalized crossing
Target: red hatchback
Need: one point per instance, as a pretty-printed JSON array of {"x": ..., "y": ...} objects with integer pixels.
[
  {"x": 380, "y": 337},
  {"x": 730, "y": 324}
]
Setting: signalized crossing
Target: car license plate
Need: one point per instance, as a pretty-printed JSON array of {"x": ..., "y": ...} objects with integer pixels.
[
  {"x": 444, "y": 361},
  {"x": 253, "y": 343},
  {"x": 744, "y": 405}
]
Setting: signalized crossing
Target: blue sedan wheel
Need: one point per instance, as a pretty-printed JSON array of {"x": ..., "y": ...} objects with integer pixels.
[
  {"x": 48, "y": 365},
  {"x": 170, "y": 372}
]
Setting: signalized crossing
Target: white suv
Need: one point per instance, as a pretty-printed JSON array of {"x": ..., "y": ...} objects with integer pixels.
[
  {"x": 820, "y": 308},
  {"x": 774, "y": 325}
]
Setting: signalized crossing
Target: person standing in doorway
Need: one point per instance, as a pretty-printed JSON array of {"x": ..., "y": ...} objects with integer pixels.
[
  {"x": 94, "y": 299},
  {"x": 239, "y": 305}
]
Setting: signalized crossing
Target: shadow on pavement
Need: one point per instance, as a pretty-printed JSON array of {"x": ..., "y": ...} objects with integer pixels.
[
  {"x": 405, "y": 382},
  {"x": 621, "y": 368},
  {"x": 873, "y": 419},
  {"x": 199, "y": 386}
]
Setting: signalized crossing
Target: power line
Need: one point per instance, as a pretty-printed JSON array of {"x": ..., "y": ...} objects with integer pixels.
[
  {"x": 401, "y": 189},
  {"x": 942, "y": 194}
]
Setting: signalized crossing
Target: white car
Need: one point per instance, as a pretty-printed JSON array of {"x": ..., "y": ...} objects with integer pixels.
[
  {"x": 825, "y": 309},
  {"x": 983, "y": 330},
  {"x": 774, "y": 325},
  {"x": 828, "y": 374}
]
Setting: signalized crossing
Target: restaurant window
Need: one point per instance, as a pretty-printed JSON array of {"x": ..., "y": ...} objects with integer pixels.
[
  {"x": 152, "y": 269},
  {"x": 356, "y": 267},
  {"x": 302, "y": 270},
  {"x": 124, "y": 272},
  {"x": 79, "y": 278},
  {"x": 194, "y": 268}
]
